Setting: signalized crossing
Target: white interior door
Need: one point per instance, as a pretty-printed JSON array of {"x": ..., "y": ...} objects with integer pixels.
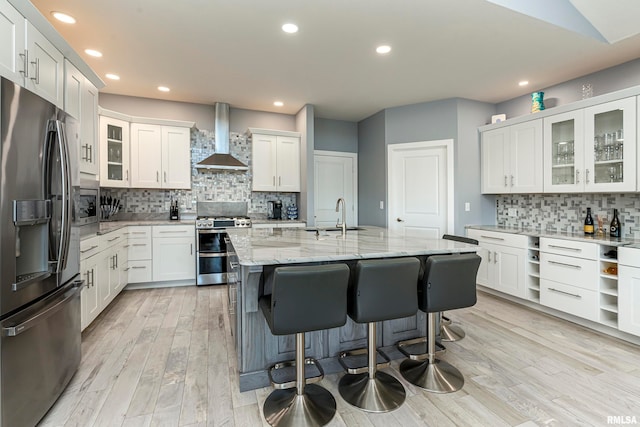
[
  {"x": 335, "y": 177},
  {"x": 420, "y": 185}
]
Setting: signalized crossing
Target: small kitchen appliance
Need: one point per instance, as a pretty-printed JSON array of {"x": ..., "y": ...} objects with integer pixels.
[{"x": 274, "y": 209}]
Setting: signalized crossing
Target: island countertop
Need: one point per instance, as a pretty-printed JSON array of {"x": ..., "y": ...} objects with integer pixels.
[{"x": 262, "y": 246}]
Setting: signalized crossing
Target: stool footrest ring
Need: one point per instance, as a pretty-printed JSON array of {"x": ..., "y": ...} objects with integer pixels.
[
  {"x": 352, "y": 360},
  {"x": 287, "y": 377},
  {"x": 416, "y": 348}
]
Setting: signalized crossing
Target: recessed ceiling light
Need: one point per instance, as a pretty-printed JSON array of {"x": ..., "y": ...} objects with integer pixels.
[
  {"x": 278, "y": 103},
  {"x": 63, "y": 17},
  {"x": 523, "y": 83},
  {"x": 290, "y": 28},
  {"x": 93, "y": 52},
  {"x": 383, "y": 49},
  {"x": 163, "y": 89},
  {"x": 112, "y": 76}
]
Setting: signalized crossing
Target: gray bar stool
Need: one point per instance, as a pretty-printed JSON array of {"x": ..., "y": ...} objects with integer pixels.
[
  {"x": 449, "y": 332},
  {"x": 304, "y": 299},
  {"x": 449, "y": 283},
  {"x": 382, "y": 289}
]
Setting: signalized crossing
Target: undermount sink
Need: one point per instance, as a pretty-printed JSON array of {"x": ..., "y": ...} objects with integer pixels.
[{"x": 335, "y": 229}]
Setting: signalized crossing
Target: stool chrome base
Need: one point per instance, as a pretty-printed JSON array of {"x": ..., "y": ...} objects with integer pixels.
[
  {"x": 383, "y": 393},
  {"x": 450, "y": 333},
  {"x": 437, "y": 376},
  {"x": 315, "y": 407}
]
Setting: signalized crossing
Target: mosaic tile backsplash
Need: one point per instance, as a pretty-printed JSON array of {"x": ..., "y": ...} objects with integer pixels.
[
  {"x": 566, "y": 212},
  {"x": 206, "y": 185}
]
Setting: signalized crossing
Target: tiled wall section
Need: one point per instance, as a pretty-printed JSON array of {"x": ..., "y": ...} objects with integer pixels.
[
  {"x": 566, "y": 212},
  {"x": 206, "y": 185}
]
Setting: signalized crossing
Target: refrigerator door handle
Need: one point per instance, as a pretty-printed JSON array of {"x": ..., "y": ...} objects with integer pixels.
[
  {"x": 15, "y": 330},
  {"x": 66, "y": 194}
]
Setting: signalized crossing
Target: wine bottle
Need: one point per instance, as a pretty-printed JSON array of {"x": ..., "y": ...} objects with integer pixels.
[
  {"x": 614, "y": 228},
  {"x": 588, "y": 224}
]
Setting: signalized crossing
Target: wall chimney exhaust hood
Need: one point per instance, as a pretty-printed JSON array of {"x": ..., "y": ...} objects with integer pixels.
[{"x": 221, "y": 160}]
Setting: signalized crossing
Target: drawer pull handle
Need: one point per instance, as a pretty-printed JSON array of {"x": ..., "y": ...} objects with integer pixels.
[
  {"x": 136, "y": 267},
  {"x": 174, "y": 231},
  {"x": 138, "y": 232},
  {"x": 90, "y": 249},
  {"x": 491, "y": 237},
  {"x": 566, "y": 247},
  {"x": 566, "y": 265},
  {"x": 565, "y": 293},
  {"x": 139, "y": 244},
  {"x": 115, "y": 238},
  {"x": 233, "y": 264}
]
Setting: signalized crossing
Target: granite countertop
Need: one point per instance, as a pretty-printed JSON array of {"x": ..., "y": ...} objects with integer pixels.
[
  {"x": 276, "y": 221},
  {"x": 265, "y": 246},
  {"x": 109, "y": 226},
  {"x": 604, "y": 240}
]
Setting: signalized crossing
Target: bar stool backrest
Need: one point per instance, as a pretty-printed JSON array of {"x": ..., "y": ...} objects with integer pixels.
[
  {"x": 449, "y": 282},
  {"x": 462, "y": 239}
]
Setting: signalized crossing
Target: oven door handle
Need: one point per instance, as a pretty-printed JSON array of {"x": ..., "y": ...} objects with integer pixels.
[
  {"x": 212, "y": 254},
  {"x": 211, "y": 231}
]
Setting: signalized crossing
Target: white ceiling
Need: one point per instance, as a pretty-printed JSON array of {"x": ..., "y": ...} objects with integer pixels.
[{"x": 234, "y": 51}]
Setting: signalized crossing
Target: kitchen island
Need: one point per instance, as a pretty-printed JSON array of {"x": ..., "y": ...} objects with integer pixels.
[{"x": 259, "y": 250}]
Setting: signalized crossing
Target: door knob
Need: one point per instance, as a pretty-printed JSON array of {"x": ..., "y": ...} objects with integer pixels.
[{"x": 399, "y": 220}]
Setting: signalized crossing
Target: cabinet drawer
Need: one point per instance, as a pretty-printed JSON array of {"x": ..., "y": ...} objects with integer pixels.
[
  {"x": 577, "y": 272},
  {"x": 139, "y": 249},
  {"x": 140, "y": 232},
  {"x": 569, "y": 299},
  {"x": 174, "y": 231},
  {"x": 113, "y": 238},
  {"x": 569, "y": 247},
  {"x": 139, "y": 271},
  {"x": 89, "y": 247},
  {"x": 498, "y": 238}
]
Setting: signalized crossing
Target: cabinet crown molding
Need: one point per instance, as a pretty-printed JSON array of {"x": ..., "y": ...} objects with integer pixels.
[
  {"x": 275, "y": 132},
  {"x": 144, "y": 120}
]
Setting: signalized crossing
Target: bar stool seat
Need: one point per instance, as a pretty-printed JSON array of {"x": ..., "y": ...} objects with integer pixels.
[
  {"x": 449, "y": 282},
  {"x": 304, "y": 299},
  {"x": 382, "y": 289}
]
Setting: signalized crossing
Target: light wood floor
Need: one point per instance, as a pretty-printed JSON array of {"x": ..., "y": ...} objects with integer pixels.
[{"x": 164, "y": 357}]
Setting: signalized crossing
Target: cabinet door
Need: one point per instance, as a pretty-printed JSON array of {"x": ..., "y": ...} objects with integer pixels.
[
  {"x": 486, "y": 265},
  {"x": 629, "y": 299},
  {"x": 12, "y": 43},
  {"x": 288, "y": 163},
  {"x": 263, "y": 148},
  {"x": 509, "y": 271},
  {"x": 45, "y": 67},
  {"x": 73, "y": 82},
  {"x": 146, "y": 156},
  {"x": 564, "y": 152},
  {"x": 174, "y": 258},
  {"x": 114, "y": 152},
  {"x": 610, "y": 146},
  {"x": 495, "y": 156},
  {"x": 105, "y": 275},
  {"x": 525, "y": 154},
  {"x": 176, "y": 157},
  {"x": 89, "y": 297},
  {"x": 121, "y": 267},
  {"x": 89, "y": 161}
]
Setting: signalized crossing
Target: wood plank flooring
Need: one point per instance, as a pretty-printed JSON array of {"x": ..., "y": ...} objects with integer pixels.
[{"x": 165, "y": 357}]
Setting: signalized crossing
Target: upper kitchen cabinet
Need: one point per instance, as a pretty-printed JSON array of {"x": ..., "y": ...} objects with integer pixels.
[
  {"x": 44, "y": 67},
  {"x": 512, "y": 159},
  {"x": 81, "y": 102},
  {"x": 114, "y": 152},
  {"x": 12, "y": 44},
  {"x": 160, "y": 156},
  {"x": 275, "y": 160},
  {"x": 585, "y": 149}
]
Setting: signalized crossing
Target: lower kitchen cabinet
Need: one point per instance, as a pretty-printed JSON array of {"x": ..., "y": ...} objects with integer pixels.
[
  {"x": 139, "y": 255},
  {"x": 174, "y": 255},
  {"x": 629, "y": 291},
  {"x": 89, "y": 260}
]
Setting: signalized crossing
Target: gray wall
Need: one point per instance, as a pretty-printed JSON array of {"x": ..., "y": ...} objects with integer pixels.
[
  {"x": 372, "y": 177},
  {"x": 240, "y": 120},
  {"x": 336, "y": 135},
  {"x": 427, "y": 121},
  {"x": 605, "y": 81}
]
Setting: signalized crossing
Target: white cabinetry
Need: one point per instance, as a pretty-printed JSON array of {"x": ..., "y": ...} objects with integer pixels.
[
  {"x": 174, "y": 253},
  {"x": 81, "y": 102},
  {"x": 629, "y": 290},
  {"x": 44, "y": 67},
  {"x": 114, "y": 152},
  {"x": 89, "y": 260},
  {"x": 111, "y": 272},
  {"x": 140, "y": 254},
  {"x": 512, "y": 159},
  {"x": 12, "y": 43},
  {"x": 276, "y": 160},
  {"x": 160, "y": 156},
  {"x": 503, "y": 261}
]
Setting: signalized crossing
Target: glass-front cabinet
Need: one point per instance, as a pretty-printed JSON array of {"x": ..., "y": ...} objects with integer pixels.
[
  {"x": 114, "y": 155},
  {"x": 585, "y": 150}
]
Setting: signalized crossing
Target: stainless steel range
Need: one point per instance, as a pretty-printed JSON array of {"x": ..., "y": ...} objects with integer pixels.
[{"x": 211, "y": 224}]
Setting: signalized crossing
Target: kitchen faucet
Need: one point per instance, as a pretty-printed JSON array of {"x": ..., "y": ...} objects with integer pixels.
[{"x": 343, "y": 224}]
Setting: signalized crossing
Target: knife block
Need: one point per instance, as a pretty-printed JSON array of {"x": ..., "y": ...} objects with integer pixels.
[{"x": 174, "y": 213}]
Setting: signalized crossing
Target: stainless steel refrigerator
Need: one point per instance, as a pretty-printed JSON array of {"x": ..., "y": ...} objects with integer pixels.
[{"x": 39, "y": 255}]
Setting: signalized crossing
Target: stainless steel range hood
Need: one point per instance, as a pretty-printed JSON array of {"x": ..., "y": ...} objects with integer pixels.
[{"x": 221, "y": 160}]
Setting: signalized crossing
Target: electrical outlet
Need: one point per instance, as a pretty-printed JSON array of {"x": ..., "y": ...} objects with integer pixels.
[
  {"x": 513, "y": 212},
  {"x": 381, "y": 204},
  {"x": 467, "y": 207}
]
